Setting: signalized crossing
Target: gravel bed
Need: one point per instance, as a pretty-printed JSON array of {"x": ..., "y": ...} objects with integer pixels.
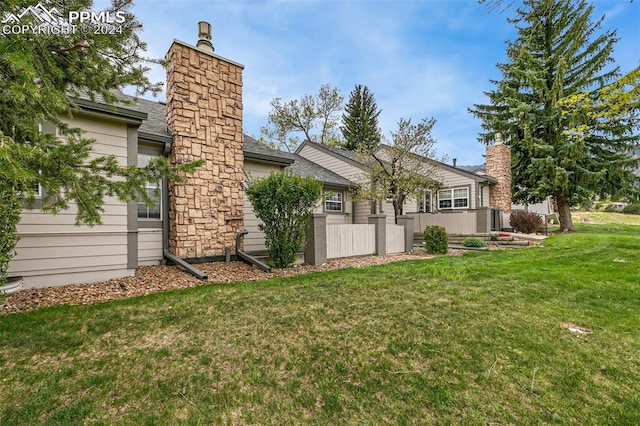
[{"x": 151, "y": 279}]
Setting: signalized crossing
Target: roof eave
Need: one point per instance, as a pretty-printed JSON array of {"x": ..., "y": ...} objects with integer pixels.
[
  {"x": 155, "y": 137},
  {"x": 125, "y": 114},
  {"x": 264, "y": 158}
]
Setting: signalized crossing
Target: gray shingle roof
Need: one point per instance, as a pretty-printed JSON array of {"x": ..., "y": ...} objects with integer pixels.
[
  {"x": 155, "y": 125},
  {"x": 352, "y": 156},
  {"x": 299, "y": 166},
  {"x": 472, "y": 169},
  {"x": 156, "y": 122},
  {"x": 306, "y": 168},
  {"x": 256, "y": 150}
]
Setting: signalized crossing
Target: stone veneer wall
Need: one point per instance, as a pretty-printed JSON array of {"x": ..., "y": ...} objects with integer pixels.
[
  {"x": 204, "y": 113},
  {"x": 499, "y": 166}
]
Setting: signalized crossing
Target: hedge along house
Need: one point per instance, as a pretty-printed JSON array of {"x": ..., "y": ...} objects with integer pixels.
[{"x": 196, "y": 220}]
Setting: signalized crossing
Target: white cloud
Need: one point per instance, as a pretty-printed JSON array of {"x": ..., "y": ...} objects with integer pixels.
[{"x": 420, "y": 58}]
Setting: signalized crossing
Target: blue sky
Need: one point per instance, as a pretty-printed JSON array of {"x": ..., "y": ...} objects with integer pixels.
[{"x": 420, "y": 58}]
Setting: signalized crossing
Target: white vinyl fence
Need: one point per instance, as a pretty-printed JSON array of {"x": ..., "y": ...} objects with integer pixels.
[
  {"x": 350, "y": 240},
  {"x": 395, "y": 239}
]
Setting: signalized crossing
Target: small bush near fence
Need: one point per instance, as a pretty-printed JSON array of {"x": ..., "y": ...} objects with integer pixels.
[
  {"x": 631, "y": 209},
  {"x": 473, "y": 242},
  {"x": 283, "y": 202},
  {"x": 435, "y": 239},
  {"x": 525, "y": 222}
]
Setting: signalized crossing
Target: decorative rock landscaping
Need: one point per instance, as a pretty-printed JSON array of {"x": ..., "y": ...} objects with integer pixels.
[{"x": 152, "y": 279}]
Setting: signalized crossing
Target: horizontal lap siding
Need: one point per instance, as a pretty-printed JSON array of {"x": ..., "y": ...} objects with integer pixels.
[
  {"x": 54, "y": 251},
  {"x": 350, "y": 240},
  {"x": 149, "y": 246},
  {"x": 387, "y": 208},
  {"x": 410, "y": 205},
  {"x": 361, "y": 211},
  {"x": 254, "y": 240},
  {"x": 452, "y": 180},
  {"x": 338, "y": 219},
  {"x": 336, "y": 165}
]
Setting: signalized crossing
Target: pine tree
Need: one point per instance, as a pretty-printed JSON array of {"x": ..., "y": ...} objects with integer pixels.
[
  {"x": 360, "y": 121},
  {"x": 567, "y": 114},
  {"x": 41, "y": 73}
]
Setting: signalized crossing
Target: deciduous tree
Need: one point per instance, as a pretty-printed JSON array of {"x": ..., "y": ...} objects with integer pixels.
[
  {"x": 314, "y": 117},
  {"x": 403, "y": 168}
]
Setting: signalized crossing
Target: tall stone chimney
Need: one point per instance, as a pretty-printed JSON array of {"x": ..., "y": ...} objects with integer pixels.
[
  {"x": 499, "y": 167},
  {"x": 204, "y": 113}
]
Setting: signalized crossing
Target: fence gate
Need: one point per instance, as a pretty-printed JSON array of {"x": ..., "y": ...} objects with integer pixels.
[{"x": 395, "y": 239}]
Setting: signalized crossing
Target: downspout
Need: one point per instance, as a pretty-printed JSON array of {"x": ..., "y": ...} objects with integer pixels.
[
  {"x": 165, "y": 227},
  {"x": 245, "y": 257}
]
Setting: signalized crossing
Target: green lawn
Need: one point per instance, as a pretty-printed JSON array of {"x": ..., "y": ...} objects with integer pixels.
[
  {"x": 474, "y": 339},
  {"x": 606, "y": 218}
]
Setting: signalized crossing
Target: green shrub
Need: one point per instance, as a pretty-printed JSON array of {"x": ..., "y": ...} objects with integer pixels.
[
  {"x": 436, "y": 239},
  {"x": 610, "y": 209},
  {"x": 525, "y": 222},
  {"x": 283, "y": 202},
  {"x": 9, "y": 218},
  {"x": 473, "y": 242},
  {"x": 631, "y": 209}
]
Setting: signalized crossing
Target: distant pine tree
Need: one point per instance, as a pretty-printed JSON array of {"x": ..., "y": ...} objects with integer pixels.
[
  {"x": 569, "y": 118},
  {"x": 360, "y": 121}
]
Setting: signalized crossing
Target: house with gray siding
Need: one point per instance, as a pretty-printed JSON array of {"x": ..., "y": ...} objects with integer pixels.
[
  {"x": 464, "y": 201},
  {"x": 199, "y": 219},
  {"x": 196, "y": 220}
]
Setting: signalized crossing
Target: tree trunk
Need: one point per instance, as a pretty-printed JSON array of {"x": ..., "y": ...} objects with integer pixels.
[
  {"x": 564, "y": 214},
  {"x": 397, "y": 210}
]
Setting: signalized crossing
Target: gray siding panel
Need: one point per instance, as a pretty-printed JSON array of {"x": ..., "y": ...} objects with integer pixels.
[
  {"x": 149, "y": 246},
  {"x": 53, "y": 251},
  {"x": 329, "y": 162},
  {"x": 453, "y": 180},
  {"x": 254, "y": 240},
  {"x": 361, "y": 211}
]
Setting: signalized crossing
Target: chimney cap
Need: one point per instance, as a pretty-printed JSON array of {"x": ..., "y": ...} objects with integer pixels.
[
  {"x": 204, "y": 37},
  {"x": 498, "y": 139}
]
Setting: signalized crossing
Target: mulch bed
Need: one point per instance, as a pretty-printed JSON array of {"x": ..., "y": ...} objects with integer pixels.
[{"x": 152, "y": 279}]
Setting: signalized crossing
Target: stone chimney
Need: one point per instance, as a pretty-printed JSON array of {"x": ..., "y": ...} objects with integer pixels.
[
  {"x": 499, "y": 167},
  {"x": 204, "y": 113}
]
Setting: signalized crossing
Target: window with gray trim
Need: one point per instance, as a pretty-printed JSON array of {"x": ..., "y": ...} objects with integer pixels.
[
  {"x": 37, "y": 191},
  {"x": 453, "y": 198},
  {"x": 154, "y": 191},
  {"x": 333, "y": 201}
]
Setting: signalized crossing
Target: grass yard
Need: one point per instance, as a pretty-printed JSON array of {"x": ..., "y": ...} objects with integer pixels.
[
  {"x": 475, "y": 339},
  {"x": 601, "y": 217}
]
